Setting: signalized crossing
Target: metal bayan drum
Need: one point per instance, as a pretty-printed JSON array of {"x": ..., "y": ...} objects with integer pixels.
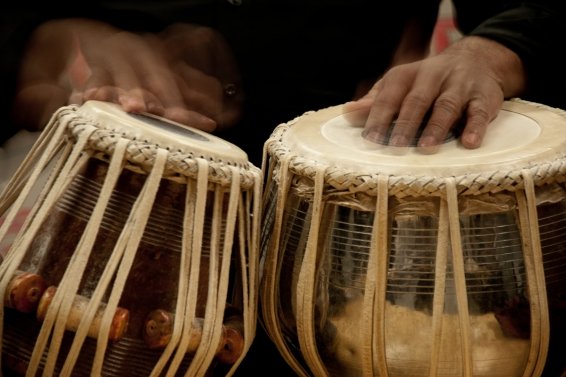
[
  {"x": 383, "y": 261},
  {"x": 140, "y": 253}
]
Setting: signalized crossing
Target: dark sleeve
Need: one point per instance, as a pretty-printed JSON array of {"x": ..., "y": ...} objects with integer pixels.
[{"x": 535, "y": 31}]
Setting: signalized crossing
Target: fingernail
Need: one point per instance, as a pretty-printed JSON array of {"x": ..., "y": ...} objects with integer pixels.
[
  {"x": 124, "y": 100},
  {"x": 372, "y": 135},
  {"x": 398, "y": 141},
  {"x": 155, "y": 108},
  {"x": 428, "y": 146},
  {"x": 132, "y": 104},
  {"x": 471, "y": 140},
  {"x": 428, "y": 141}
]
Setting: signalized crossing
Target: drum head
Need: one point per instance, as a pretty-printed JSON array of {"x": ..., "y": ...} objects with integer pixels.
[
  {"x": 522, "y": 135},
  {"x": 160, "y": 131}
]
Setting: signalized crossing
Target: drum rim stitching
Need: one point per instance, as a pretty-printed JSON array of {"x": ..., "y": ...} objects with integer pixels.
[
  {"x": 178, "y": 163},
  {"x": 490, "y": 181}
]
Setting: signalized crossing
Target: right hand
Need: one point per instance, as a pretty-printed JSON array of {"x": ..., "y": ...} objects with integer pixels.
[{"x": 468, "y": 81}]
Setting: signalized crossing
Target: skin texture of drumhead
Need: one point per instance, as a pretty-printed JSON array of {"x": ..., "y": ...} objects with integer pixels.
[
  {"x": 522, "y": 135},
  {"x": 165, "y": 133}
]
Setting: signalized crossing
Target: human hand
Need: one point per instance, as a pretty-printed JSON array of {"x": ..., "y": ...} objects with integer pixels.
[
  {"x": 466, "y": 83},
  {"x": 173, "y": 74},
  {"x": 207, "y": 73}
]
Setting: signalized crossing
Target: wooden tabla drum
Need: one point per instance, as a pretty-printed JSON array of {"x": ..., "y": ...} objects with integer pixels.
[
  {"x": 139, "y": 256},
  {"x": 383, "y": 261}
]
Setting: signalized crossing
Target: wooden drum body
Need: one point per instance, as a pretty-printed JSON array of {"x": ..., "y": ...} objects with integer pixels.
[
  {"x": 139, "y": 255},
  {"x": 381, "y": 261}
]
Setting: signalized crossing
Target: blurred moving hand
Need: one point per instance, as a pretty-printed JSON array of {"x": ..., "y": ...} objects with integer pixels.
[
  {"x": 467, "y": 83},
  {"x": 185, "y": 73}
]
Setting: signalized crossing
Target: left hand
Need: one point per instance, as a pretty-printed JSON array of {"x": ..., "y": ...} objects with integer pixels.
[
  {"x": 185, "y": 73},
  {"x": 466, "y": 82}
]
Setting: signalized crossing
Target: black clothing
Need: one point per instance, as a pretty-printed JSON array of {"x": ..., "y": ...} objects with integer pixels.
[
  {"x": 533, "y": 29},
  {"x": 299, "y": 55}
]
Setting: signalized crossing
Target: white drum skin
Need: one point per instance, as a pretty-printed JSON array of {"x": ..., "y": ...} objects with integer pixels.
[
  {"x": 160, "y": 131},
  {"x": 521, "y": 135}
]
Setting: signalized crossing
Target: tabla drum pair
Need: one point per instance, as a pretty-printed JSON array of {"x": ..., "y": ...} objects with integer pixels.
[
  {"x": 383, "y": 261},
  {"x": 139, "y": 256}
]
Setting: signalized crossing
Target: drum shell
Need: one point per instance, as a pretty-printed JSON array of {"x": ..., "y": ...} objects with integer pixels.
[
  {"x": 152, "y": 284},
  {"x": 498, "y": 297},
  {"x": 342, "y": 267}
]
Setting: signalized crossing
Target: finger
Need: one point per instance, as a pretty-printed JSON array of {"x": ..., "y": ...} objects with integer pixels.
[
  {"x": 102, "y": 86},
  {"x": 386, "y": 102},
  {"x": 108, "y": 93},
  {"x": 99, "y": 86},
  {"x": 200, "y": 92},
  {"x": 357, "y": 112},
  {"x": 447, "y": 109},
  {"x": 140, "y": 100},
  {"x": 206, "y": 95},
  {"x": 154, "y": 73},
  {"x": 130, "y": 94},
  {"x": 160, "y": 81},
  {"x": 114, "y": 76},
  {"x": 414, "y": 108},
  {"x": 76, "y": 97},
  {"x": 206, "y": 72},
  {"x": 190, "y": 118},
  {"x": 104, "y": 72},
  {"x": 481, "y": 111}
]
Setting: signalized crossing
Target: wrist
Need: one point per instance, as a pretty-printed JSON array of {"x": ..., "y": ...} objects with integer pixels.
[{"x": 506, "y": 66}]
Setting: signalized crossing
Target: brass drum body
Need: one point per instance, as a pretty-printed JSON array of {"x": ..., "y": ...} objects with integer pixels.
[
  {"x": 139, "y": 255},
  {"x": 382, "y": 261}
]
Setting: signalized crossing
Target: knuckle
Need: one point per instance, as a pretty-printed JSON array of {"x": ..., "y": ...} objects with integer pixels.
[
  {"x": 381, "y": 101},
  {"x": 436, "y": 128},
  {"x": 478, "y": 112},
  {"x": 418, "y": 99},
  {"x": 449, "y": 105},
  {"x": 478, "y": 118},
  {"x": 206, "y": 35}
]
